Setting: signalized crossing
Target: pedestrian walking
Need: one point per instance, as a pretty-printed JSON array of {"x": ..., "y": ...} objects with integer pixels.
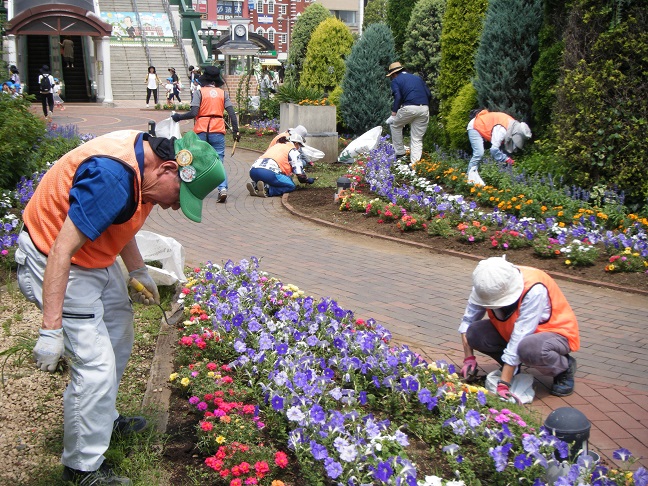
[
  {"x": 411, "y": 107},
  {"x": 497, "y": 128},
  {"x": 208, "y": 105},
  {"x": 84, "y": 213},
  {"x": 177, "y": 86},
  {"x": 46, "y": 89},
  {"x": 152, "y": 82},
  {"x": 528, "y": 321}
]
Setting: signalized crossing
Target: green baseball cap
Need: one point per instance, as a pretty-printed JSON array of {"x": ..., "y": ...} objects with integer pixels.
[{"x": 201, "y": 171}]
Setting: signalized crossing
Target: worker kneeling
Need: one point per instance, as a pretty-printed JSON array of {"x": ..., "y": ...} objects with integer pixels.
[
  {"x": 528, "y": 321},
  {"x": 272, "y": 173}
]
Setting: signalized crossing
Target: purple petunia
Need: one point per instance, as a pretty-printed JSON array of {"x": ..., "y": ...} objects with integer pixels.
[
  {"x": 383, "y": 471},
  {"x": 522, "y": 461},
  {"x": 277, "y": 403},
  {"x": 333, "y": 468}
]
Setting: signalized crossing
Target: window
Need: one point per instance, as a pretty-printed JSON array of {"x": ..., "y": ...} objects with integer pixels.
[
  {"x": 260, "y": 31},
  {"x": 271, "y": 6},
  {"x": 260, "y": 7},
  {"x": 283, "y": 38},
  {"x": 283, "y": 9},
  {"x": 346, "y": 16},
  {"x": 271, "y": 34}
]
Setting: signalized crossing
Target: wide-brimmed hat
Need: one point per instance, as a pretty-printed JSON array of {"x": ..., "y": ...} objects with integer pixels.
[
  {"x": 394, "y": 67},
  {"x": 516, "y": 134},
  {"x": 211, "y": 74},
  {"x": 201, "y": 171},
  {"x": 496, "y": 283},
  {"x": 297, "y": 138},
  {"x": 299, "y": 130}
]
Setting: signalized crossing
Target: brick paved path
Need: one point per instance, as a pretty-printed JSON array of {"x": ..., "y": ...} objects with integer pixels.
[{"x": 417, "y": 294}]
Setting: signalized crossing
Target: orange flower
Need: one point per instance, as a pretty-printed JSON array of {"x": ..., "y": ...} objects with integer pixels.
[{"x": 476, "y": 224}]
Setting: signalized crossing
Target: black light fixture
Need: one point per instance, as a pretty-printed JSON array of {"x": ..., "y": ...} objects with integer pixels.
[{"x": 570, "y": 425}]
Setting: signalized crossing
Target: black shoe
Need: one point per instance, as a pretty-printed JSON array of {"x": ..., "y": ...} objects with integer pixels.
[
  {"x": 101, "y": 477},
  {"x": 563, "y": 384},
  {"x": 128, "y": 425},
  {"x": 222, "y": 196}
]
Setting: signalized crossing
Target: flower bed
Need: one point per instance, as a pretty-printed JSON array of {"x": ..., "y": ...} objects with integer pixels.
[
  {"x": 510, "y": 220},
  {"x": 287, "y": 387}
]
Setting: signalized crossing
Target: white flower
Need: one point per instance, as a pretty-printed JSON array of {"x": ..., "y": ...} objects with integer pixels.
[
  {"x": 431, "y": 481},
  {"x": 295, "y": 414}
]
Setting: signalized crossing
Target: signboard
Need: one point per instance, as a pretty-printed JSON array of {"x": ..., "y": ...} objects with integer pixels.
[
  {"x": 199, "y": 5},
  {"x": 155, "y": 25},
  {"x": 264, "y": 19}
]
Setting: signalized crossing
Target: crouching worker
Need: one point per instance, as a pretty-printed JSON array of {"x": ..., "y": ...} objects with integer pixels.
[
  {"x": 528, "y": 321},
  {"x": 271, "y": 173},
  {"x": 86, "y": 211}
]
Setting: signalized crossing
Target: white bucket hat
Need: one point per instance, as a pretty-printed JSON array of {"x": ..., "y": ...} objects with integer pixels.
[
  {"x": 296, "y": 138},
  {"x": 299, "y": 130},
  {"x": 496, "y": 283},
  {"x": 516, "y": 135}
]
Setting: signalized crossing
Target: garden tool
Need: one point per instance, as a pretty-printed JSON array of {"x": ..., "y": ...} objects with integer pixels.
[{"x": 139, "y": 287}]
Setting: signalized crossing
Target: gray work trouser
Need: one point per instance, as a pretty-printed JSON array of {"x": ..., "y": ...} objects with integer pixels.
[
  {"x": 98, "y": 333},
  {"x": 417, "y": 117},
  {"x": 544, "y": 351}
]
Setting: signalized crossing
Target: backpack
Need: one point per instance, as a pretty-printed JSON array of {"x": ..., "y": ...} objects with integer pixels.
[{"x": 45, "y": 84}]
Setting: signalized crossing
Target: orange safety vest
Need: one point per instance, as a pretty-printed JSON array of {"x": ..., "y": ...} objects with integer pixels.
[
  {"x": 279, "y": 153},
  {"x": 485, "y": 121},
  {"x": 48, "y": 208},
  {"x": 562, "y": 319},
  {"x": 210, "y": 112},
  {"x": 276, "y": 139}
]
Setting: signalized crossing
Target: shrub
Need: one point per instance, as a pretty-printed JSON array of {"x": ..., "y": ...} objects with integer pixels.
[
  {"x": 334, "y": 97},
  {"x": 366, "y": 95},
  {"x": 459, "y": 117},
  {"x": 292, "y": 93},
  {"x": 422, "y": 49},
  {"x": 508, "y": 240},
  {"x": 628, "y": 261},
  {"x": 462, "y": 26},
  {"x": 324, "y": 66},
  {"x": 16, "y": 152},
  {"x": 269, "y": 107},
  {"x": 580, "y": 253},
  {"x": 545, "y": 76},
  {"x": 412, "y": 222},
  {"x": 398, "y": 17},
  {"x": 375, "y": 12},
  {"x": 507, "y": 50},
  {"x": 473, "y": 232},
  {"x": 307, "y": 22},
  {"x": 546, "y": 247},
  {"x": 441, "y": 226}
]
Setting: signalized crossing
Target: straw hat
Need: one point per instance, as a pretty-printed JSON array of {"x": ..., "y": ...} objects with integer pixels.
[{"x": 394, "y": 67}]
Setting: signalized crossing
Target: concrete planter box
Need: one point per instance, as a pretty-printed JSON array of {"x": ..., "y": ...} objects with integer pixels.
[{"x": 320, "y": 123}]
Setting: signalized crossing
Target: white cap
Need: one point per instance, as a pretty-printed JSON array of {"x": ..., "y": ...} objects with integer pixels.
[
  {"x": 295, "y": 137},
  {"x": 496, "y": 283}
]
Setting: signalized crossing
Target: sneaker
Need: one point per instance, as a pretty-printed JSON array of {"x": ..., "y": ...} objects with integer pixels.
[
  {"x": 251, "y": 189},
  {"x": 147, "y": 105},
  {"x": 128, "y": 425},
  {"x": 102, "y": 476},
  {"x": 261, "y": 192},
  {"x": 563, "y": 384},
  {"x": 222, "y": 196}
]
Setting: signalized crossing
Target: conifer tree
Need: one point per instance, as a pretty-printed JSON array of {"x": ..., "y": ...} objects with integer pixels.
[
  {"x": 366, "y": 94},
  {"x": 374, "y": 13},
  {"x": 330, "y": 44},
  {"x": 462, "y": 25},
  {"x": 308, "y": 21},
  {"x": 507, "y": 51},
  {"x": 422, "y": 49},
  {"x": 398, "y": 16}
]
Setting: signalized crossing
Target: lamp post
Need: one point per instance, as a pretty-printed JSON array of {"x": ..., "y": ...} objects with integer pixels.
[{"x": 208, "y": 35}]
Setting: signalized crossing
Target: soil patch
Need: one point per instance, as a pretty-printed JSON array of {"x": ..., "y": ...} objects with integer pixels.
[{"x": 318, "y": 203}]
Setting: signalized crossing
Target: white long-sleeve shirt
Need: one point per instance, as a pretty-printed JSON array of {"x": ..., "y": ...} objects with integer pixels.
[{"x": 534, "y": 309}]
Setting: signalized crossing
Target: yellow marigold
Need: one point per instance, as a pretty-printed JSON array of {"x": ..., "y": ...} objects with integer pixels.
[
  {"x": 543, "y": 208},
  {"x": 514, "y": 199},
  {"x": 472, "y": 189},
  {"x": 491, "y": 198},
  {"x": 185, "y": 381},
  {"x": 173, "y": 376},
  {"x": 529, "y": 201},
  {"x": 561, "y": 224},
  {"x": 567, "y": 262},
  {"x": 518, "y": 207},
  {"x": 560, "y": 213}
]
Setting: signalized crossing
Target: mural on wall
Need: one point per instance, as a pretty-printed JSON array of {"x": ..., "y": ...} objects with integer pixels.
[{"x": 155, "y": 25}]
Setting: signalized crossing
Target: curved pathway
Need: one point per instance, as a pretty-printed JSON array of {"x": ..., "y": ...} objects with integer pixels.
[{"x": 418, "y": 294}]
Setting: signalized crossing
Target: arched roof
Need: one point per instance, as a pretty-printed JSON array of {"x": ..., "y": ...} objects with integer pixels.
[
  {"x": 253, "y": 37},
  {"x": 58, "y": 19}
]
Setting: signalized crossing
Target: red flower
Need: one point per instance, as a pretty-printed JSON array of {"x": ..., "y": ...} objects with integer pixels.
[
  {"x": 236, "y": 482},
  {"x": 206, "y": 426},
  {"x": 212, "y": 366},
  {"x": 281, "y": 459},
  {"x": 224, "y": 473},
  {"x": 261, "y": 468}
]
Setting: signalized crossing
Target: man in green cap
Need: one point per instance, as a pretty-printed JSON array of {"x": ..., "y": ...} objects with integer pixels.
[{"x": 84, "y": 213}]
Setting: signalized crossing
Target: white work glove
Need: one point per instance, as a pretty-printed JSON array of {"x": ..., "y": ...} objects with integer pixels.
[
  {"x": 143, "y": 277},
  {"x": 49, "y": 349},
  {"x": 390, "y": 120}
]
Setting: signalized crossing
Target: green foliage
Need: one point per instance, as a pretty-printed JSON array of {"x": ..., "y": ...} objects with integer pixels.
[
  {"x": 601, "y": 113},
  {"x": 269, "y": 107},
  {"x": 507, "y": 49},
  {"x": 398, "y": 17},
  {"x": 17, "y": 152},
  {"x": 306, "y": 24},
  {"x": 422, "y": 49},
  {"x": 334, "y": 97},
  {"x": 324, "y": 66},
  {"x": 366, "y": 95},
  {"x": 462, "y": 26},
  {"x": 459, "y": 117},
  {"x": 546, "y": 74},
  {"x": 292, "y": 93},
  {"x": 243, "y": 100},
  {"x": 434, "y": 136},
  {"x": 375, "y": 12}
]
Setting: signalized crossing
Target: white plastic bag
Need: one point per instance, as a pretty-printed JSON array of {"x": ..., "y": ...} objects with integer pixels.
[
  {"x": 521, "y": 385},
  {"x": 311, "y": 154},
  {"x": 163, "y": 249},
  {"x": 167, "y": 128},
  {"x": 364, "y": 143}
]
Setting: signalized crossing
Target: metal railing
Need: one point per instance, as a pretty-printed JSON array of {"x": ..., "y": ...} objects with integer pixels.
[
  {"x": 176, "y": 34},
  {"x": 197, "y": 44},
  {"x": 143, "y": 34}
]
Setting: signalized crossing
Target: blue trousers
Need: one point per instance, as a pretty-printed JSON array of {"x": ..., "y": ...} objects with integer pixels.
[
  {"x": 217, "y": 140},
  {"x": 278, "y": 184}
]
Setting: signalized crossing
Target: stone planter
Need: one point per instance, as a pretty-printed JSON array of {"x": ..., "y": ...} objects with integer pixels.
[{"x": 320, "y": 123}]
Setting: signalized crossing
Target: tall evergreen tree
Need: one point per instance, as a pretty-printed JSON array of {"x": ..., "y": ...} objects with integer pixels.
[
  {"x": 462, "y": 25},
  {"x": 308, "y": 21},
  {"x": 374, "y": 13},
  {"x": 366, "y": 93},
  {"x": 422, "y": 49},
  {"x": 324, "y": 66},
  {"x": 507, "y": 51},
  {"x": 398, "y": 16}
]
